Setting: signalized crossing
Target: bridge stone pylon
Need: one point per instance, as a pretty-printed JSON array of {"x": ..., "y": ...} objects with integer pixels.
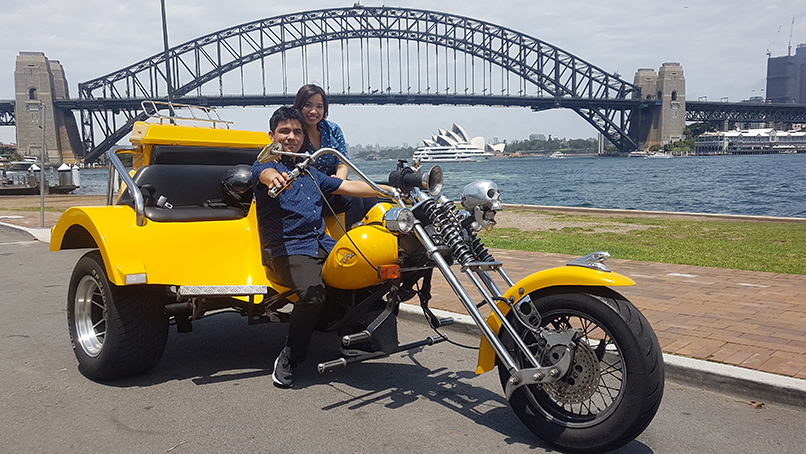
[{"x": 39, "y": 81}]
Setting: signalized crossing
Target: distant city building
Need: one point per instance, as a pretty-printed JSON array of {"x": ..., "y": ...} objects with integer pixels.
[
  {"x": 786, "y": 77},
  {"x": 751, "y": 141},
  {"x": 537, "y": 137}
]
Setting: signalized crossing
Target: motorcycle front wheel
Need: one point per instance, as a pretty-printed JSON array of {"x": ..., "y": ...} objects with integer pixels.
[{"x": 615, "y": 384}]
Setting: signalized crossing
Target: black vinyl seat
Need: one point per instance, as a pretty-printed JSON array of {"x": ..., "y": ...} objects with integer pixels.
[{"x": 189, "y": 177}]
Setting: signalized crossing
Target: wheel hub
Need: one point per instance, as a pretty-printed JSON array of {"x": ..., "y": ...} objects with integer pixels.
[
  {"x": 90, "y": 316},
  {"x": 582, "y": 379}
]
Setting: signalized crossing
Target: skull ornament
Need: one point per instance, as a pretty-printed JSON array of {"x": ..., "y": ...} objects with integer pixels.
[
  {"x": 482, "y": 199},
  {"x": 483, "y": 194}
]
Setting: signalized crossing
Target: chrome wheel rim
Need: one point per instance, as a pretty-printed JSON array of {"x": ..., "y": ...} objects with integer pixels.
[{"x": 90, "y": 316}]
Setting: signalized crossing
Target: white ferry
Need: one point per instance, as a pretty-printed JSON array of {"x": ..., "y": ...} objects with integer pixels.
[{"x": 452, "y": 146}]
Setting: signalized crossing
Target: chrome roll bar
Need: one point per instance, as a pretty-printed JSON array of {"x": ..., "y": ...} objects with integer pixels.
[{"x": 137, "y": 196}]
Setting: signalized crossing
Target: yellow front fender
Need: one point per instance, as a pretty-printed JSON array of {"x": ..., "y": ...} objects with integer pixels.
[{"x": 553, "y": 277}]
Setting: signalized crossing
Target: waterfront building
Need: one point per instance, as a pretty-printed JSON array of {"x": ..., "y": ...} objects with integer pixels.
[
  {"x": 751, "y": 141},
  {"x": 786, "y": 77}
]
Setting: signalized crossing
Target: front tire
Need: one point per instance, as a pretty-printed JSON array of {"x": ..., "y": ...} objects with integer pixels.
[
  {"x": 615, "y": 384},
  {"x": 116, "y": 331}
]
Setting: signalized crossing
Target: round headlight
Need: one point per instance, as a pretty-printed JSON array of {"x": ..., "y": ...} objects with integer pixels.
[{"x": 399, "y": 220}]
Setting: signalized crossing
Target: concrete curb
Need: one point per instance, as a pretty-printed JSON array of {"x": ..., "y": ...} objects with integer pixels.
[
  {"x": 42, "y": 235},
  {"x": 679, "y": 214},
  {"x": 750, "y": 384}
]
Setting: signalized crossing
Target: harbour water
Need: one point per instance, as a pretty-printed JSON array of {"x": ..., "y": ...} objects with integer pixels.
[{"x": 762, "y": 185}]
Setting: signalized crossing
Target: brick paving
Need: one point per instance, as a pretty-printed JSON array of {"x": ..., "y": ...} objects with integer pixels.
[{"x": 743, "y": 318}]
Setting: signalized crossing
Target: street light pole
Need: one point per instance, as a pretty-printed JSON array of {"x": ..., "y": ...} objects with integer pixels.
[
  {"x": 42, "y": 170},
  {"x": 167, "y": 64},
  {"x": 40, "y": 107}
]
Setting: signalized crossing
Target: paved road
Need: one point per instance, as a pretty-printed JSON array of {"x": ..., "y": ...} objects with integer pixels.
[{"x": 212, "y": 392}]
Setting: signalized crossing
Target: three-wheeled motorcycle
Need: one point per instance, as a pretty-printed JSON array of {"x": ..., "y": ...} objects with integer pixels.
[{"x": 579, "y": 364}]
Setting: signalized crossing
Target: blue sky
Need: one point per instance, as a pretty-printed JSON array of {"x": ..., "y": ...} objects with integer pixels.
[{"x": 722, "y": 45}]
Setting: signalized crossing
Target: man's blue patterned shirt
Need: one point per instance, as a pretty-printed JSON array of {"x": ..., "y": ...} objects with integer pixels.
[{"x": 292, "y": 223}]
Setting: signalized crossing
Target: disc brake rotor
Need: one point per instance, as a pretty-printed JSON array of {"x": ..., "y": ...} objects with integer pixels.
[{"x": 582, "y": 379}]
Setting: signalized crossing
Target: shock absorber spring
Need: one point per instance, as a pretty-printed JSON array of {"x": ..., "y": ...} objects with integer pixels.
[
  {"x": 447, "y": 226},
  {"x": 481, "y": 252}
]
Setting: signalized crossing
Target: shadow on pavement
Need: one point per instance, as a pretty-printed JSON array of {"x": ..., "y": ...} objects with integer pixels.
[{"x": 225, "y": 349}]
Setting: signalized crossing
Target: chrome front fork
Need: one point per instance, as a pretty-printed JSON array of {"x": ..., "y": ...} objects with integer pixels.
[{"x": 477, "y": 272}]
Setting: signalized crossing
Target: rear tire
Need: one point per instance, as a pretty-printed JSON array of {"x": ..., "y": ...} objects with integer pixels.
[
  {"x": 116, "y": 331},
  {"x": 614, "y": 387}
]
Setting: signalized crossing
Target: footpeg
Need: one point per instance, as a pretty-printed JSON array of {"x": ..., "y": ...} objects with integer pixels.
[
  {"x": 357, "y": 338},
  {"x": 341, "y": 363},
  {"x": 434, "y": 321},
  {"x": 330, "y": 366}
]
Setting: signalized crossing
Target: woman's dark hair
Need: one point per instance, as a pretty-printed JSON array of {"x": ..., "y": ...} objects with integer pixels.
[{"x": 306, "y": 92}]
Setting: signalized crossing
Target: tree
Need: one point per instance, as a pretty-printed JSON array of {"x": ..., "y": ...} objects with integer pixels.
[{"x": 694, "y": 130}]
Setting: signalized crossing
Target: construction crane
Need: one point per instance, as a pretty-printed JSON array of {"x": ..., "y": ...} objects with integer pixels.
[
  {"x": 789, "y": 49},
  {"x": 772, "y": 45}
]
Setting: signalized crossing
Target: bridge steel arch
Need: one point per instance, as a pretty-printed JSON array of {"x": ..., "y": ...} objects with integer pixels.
[{"x": 546, "y": 76}]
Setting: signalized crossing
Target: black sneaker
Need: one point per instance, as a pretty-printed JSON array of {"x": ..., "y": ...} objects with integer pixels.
[{"x": 283, "y": 370}]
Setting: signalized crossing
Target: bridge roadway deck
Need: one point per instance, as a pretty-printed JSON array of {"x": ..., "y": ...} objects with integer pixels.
[{"x": 748, "y": 319}]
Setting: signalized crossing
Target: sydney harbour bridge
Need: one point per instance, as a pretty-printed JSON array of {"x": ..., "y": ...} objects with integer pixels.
[{"x": 380, "y": 56}]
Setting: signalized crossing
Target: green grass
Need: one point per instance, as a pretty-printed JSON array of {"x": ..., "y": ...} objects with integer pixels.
[
  {"x": 47, "y": 208},
  {"x": 778, "y": 247}
]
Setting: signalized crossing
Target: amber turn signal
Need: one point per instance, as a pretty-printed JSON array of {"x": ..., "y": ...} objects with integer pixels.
[{"x": 389, "y": 272}]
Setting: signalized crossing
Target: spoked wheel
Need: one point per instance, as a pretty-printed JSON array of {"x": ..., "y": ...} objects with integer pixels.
[
  {"x": 615, "y": 383},
  {"x": 116, "y": 331}
]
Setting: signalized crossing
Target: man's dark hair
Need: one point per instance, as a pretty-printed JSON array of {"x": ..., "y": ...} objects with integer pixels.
[{"x": 285, "y": 113}]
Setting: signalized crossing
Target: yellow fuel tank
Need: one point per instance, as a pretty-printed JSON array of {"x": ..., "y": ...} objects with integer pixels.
[{"x": 354, "y": 261}]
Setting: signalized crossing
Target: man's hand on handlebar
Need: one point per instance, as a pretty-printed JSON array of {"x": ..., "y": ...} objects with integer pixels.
[{"x": 272, "y": 178}]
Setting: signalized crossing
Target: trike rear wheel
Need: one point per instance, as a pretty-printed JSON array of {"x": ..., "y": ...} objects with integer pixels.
[{"x": 115, "y": 331}]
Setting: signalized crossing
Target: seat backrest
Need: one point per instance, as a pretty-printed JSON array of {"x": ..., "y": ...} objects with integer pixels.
[
  {"x": 178, "y": 154},
  {"x": 183, "y": 184}
]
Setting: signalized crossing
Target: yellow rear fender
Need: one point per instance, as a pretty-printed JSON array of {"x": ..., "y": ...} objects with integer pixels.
[
  {"x": 214, "y": 253},
  {"x": 553, "y": 277}
]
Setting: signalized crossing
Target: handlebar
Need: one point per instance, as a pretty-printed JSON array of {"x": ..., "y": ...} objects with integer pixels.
[
  {"x": 275, "y": 191},
  {"x": 274, "y": 150}
]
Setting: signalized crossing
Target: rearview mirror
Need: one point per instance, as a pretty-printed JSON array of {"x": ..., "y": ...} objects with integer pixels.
[{"x": 268, "y": 153}]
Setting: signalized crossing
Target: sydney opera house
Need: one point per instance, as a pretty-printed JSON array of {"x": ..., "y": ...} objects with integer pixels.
[{"x": 455, "y": 145}]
